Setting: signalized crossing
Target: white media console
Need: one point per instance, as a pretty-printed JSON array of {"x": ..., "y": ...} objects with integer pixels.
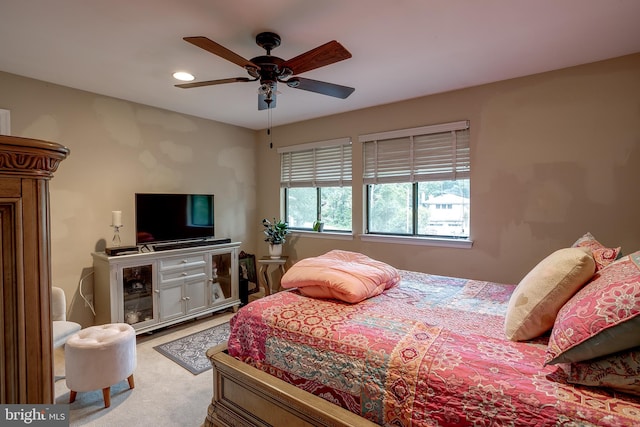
[{"x": 156, "y": 289}]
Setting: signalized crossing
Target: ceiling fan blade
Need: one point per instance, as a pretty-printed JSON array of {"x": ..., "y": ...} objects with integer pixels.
[
  {"x": 262, "y": 101},
  {"x": 326, "y": 54},
  {"x": 317, "y": 86},
  {"x": 221, "y": 51},
  {"x": 213, "y": 82}
]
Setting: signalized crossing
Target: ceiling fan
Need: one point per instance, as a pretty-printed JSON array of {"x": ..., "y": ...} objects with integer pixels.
[{"x": 269, "y": 70}]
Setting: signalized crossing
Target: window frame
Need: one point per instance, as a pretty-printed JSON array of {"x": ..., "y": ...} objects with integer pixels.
[
  {"x": 318, "y": 191},
  {"x": 415, "y": 196},
  {"x": 396, "y": 169},
  {"x": 316, "y": 165}
]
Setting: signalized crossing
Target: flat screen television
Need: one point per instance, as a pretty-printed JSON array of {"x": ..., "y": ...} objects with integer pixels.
[{"x": 173, "y": 217}]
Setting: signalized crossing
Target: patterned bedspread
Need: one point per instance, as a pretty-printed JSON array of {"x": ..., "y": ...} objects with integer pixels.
[{"x": 429, "y": 352}]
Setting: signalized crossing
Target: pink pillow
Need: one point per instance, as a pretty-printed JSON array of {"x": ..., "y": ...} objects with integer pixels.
[
  {"x": 602, "y": 318},
  {"x": 347, "y": 276},
  {"x": 601, "y": 254},
  {"x": 620, "y": 371}
]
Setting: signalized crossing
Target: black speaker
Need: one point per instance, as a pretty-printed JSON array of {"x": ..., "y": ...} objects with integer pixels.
[{"x": 121, "y": 250}]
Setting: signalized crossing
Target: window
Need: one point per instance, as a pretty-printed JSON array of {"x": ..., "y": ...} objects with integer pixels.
[
  {"x": 417, "y": 181},
  {"x": 316, "y": 178}
]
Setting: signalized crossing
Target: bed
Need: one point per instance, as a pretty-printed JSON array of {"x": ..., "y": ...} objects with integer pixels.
[{"x": 426, "y": 351}]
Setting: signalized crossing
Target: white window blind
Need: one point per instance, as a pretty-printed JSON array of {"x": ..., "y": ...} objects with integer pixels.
[
  {"x": 316, "y": 164},
  {"x": 429, "y": 153}
]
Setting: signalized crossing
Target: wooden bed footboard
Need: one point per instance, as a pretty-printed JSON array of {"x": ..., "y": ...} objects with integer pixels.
[{"x": 246, "y": 396}]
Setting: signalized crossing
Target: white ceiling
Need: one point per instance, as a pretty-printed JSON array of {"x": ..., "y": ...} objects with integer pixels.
[{"x": 401, "y": 49}]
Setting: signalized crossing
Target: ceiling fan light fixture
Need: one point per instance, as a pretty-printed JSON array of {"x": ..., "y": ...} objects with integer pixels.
[
  {"x": 267, "y": 87},
  {"x": 183, "y": 76}
]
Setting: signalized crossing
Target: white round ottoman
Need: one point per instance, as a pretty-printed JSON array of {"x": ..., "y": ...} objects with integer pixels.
[{"x": 98, "y": 357}]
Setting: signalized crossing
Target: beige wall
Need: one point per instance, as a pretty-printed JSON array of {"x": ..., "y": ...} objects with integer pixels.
[
  {"x": 553, "y": 156},
  {"x": 119, "y": 148}
]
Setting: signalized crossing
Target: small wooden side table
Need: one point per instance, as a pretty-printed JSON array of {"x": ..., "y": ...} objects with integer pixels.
[{"x": 263, "y": 276}]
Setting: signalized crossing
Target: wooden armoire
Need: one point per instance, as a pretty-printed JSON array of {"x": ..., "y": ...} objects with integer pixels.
[{"x": 26, "y": 353}]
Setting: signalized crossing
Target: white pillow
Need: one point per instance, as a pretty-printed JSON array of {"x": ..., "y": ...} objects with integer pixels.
[{"x": 539, "y": 296}]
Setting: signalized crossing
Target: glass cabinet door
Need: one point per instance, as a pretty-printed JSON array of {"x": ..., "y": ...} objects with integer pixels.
[
  {"x": 137, "y": 294},
  {"x": 221, "y": 281}
]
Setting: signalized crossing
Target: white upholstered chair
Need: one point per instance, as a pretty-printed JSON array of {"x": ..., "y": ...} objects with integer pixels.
[{"x": 62, "y": 328}]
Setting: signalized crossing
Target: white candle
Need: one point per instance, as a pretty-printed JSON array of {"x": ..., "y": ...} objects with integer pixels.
[{"x": 116, "y": 218}]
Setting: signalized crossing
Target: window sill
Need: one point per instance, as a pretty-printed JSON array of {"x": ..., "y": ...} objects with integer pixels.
[
  {"x": 422, "y": 241},
  {"x": 382, "y": 238},
  {"x": 323, "y": 235}
]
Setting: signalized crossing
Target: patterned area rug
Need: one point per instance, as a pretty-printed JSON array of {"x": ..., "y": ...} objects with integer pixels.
[{"x": 190, "y": 351}]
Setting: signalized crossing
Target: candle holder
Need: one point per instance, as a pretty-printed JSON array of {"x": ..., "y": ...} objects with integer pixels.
[{"x": 116, "y": 235}]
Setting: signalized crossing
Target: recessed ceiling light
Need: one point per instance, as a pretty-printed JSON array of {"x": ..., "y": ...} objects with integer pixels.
[{"x": 183, "y": 76}]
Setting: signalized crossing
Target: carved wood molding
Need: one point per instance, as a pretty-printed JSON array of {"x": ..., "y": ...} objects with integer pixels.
[
  {"x": 30, "y": 157},
  {"x": 26, "y": 362}
]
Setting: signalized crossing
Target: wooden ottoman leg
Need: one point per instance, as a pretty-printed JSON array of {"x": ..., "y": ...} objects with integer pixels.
[
  {"x": 72, "y": 396},
  {"x": 106, "y": 394},
  {"x": 130, "y": 379}
]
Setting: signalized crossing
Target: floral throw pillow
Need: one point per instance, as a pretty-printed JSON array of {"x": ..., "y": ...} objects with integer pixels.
[
  {"x": 602, "y": 318},
  {"x": 620, "y": 372},
  {"x": 601, "y": 254}
]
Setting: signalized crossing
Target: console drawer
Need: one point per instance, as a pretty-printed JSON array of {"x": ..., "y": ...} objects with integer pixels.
[
  {"x": 186, "y": 273},
  {"x": 186, "y": 262}
]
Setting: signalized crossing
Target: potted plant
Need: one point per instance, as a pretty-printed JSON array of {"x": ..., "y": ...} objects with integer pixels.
[{"x": 276, "y": 233}]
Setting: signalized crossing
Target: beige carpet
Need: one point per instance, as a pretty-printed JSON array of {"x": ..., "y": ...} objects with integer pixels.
[{"x": 165, "y": 394}]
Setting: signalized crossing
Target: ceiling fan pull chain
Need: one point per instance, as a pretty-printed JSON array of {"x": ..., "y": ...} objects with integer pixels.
[{"x": 270, "y": 118}]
